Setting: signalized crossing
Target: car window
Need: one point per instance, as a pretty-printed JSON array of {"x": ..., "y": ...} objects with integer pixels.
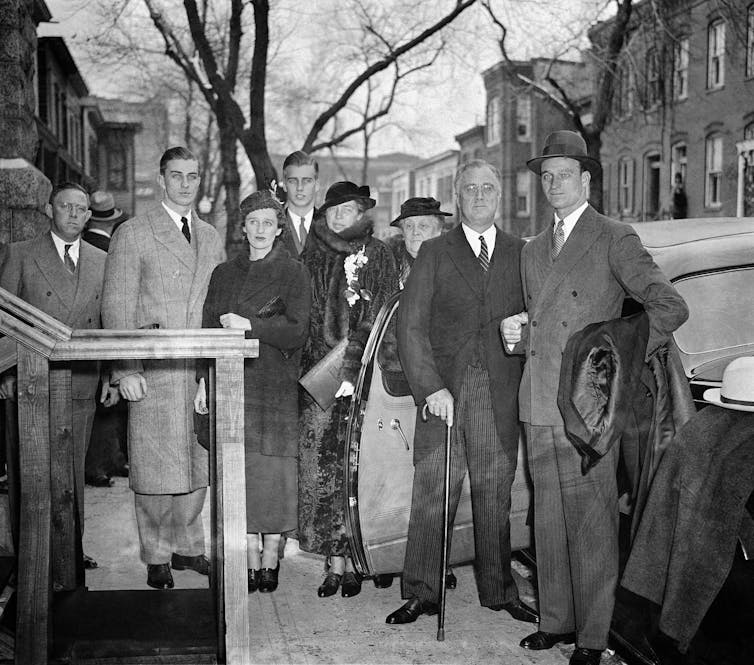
[
  {"x": 721, "y": 310},
  {"x": 393, "y": 378}
]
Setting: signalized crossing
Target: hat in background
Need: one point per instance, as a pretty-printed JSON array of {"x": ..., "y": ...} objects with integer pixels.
[
  {"x": 344, "y": 191},
  {"x": 419, "y": 206},
  {"x": 564, "y": 143},
  {"x": 737, "y": 389},
  {"x": 102, "y": 205}
]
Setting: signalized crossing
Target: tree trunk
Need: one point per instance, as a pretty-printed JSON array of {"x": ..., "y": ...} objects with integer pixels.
[
  {"x": 593, "y": 146},
  {"x": 232, "y": 184}
]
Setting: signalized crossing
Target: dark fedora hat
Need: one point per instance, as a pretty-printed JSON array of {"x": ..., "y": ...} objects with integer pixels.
[
  {"x": 344, "y": 191},
  {"x": 564, "y": 143},
  {"x": 419, "y": 206},
  {"x": 102, "y": 205}
]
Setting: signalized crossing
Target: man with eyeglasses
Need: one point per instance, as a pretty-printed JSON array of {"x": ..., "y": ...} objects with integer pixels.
[
  {"x": 158, "y": 270},
  {"x": 461, "y": 286},
  {"x": 62, "y": 275},
  {"x": 576, "y": 272}
]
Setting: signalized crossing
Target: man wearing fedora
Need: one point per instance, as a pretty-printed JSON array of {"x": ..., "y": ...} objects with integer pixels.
[
  {"x": 461, "y": 286},
  {"x": 577, "y": 271},
  {"x": 104, "y": 219},
  {"x": 420, "y": 220}
]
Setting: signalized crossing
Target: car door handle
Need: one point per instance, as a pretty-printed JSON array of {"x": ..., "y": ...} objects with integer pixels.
[{"x": 395, "y": 424}]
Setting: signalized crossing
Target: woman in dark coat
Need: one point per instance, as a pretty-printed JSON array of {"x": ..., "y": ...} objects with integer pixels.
[
  {"x": 266, "y": 293},
  {"x": 353, "y": 275}
]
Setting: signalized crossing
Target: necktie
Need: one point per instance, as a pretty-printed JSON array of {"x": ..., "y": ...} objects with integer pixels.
[
  {"x": 68, "y": 260},
  {"x": 185, "y": 229},
  {"x": 484, "y": 257},
  {"x": 302, "y": 231},
  {"x": 558, "y": 239}
]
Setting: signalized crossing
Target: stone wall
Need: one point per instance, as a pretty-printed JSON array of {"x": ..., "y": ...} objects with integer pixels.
[{"x": 23, "y": 188}]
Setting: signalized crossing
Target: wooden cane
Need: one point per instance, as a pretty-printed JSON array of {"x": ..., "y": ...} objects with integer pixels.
[{"x": 445, "y": 520}]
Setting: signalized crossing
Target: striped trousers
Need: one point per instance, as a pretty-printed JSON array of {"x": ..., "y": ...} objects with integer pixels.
[
  {"x": 491, "y": 463},
  {"x": 576, "y": 536}
]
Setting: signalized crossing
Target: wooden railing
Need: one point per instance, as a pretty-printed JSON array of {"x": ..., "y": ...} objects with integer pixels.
[{"x": 42, "y": 349}]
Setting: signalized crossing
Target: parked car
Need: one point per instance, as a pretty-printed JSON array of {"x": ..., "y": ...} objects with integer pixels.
[{"x": 711, "y": 263}]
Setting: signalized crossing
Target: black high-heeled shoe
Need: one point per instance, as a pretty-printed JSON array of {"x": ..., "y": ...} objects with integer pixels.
[
  {"x": 253, "y": 580},
  {"x": 268, "y": 579},
  {"x": 329, "y": 586},
  {"x": 351, "y": 585}
]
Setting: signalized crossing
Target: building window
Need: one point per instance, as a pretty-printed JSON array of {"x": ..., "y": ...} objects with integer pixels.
[
  {"x": 750, "y": 41},
  {"x": 116, "y": 169},
  {"x": 713, "y": 176},
  {"x": 679, "y": 162},
  {"x": 652, "y": 92},
  {"x": 749, "y": 131},
  {"x": 523, "y": 118},
  {"x": 681, "y": 69},
  {"x": 623, "y": 94},
  {"x": 625, "y": 185},
  {"x": 716, "y": 55},
  {"x": 652, "y": 187},
  {"x": 494, "y": 121},
  {"x": 523, "y": 189}
]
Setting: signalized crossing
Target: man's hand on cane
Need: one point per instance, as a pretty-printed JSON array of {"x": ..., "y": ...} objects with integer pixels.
[{"x": 440, "y": 404}]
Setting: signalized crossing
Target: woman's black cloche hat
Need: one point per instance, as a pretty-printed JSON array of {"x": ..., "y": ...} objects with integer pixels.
[
  {"x": 564, "y": 143},
  {"x": 344, "y": 191},
  {"x": 419, "y": 206}
]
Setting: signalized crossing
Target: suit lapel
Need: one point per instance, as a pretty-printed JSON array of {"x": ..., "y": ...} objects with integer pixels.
[
  {"x": 205, "y": 262},
  {"x": 167, "y": 234},
  {"x": 89, "y": 280},
  {"x": 60, "y": 280},
  {"x": 463, "y": 257},
  {"x": 581, "y": 238},
  {"x": 291, "y": 229}
]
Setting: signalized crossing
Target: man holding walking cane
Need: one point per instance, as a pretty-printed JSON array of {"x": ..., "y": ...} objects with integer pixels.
[{"x": 461, "y": 286}]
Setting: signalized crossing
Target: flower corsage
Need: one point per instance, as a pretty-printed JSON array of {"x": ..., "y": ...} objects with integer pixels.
[{"x": 353, "y": 264}]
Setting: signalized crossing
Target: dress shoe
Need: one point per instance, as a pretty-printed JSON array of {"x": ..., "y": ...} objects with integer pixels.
[
  {"x": 350, "y": 585},
  {"x": 121, "y": 471},
  {"x": 542, "y": 640},
  {"x": 330, "y": 585},
  {"x": 99, "y": 480},
  {"x": 517, "y": 610},
  {"x": 198, "y": 563},
  {"x": 253, "y": 580},
  {"x": 89, "y": 563},
  {"x": 159, "y": 576},
  {"x": 383, "y": 581},
  {"x": 450, "y": 580},
  {"x": 268, "y": 579},
  {"x": 411, "y": 611},
  {"x": 582, "y": 656}
]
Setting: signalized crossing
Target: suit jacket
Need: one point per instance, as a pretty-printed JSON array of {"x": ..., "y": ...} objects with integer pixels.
[
  {"x": 34, "y": 271},
  {"x": 449, "y": 316},
  {"x": 290, "y": 236},
  {"x": 153, "y": 276},
  {"x": 602, "y": 262}
]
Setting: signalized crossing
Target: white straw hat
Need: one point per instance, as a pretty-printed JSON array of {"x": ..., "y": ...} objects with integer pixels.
[{"x": 737, "y": 389}]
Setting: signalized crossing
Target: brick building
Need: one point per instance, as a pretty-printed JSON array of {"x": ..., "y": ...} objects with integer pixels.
[{"x": 684, "y": 104}]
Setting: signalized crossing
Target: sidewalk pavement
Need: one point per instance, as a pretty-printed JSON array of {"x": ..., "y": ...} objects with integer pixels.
[{"x": 293, "y": 625}]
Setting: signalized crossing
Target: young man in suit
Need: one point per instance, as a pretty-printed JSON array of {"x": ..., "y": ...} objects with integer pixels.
[
  {"x": 461, "y": 286},
  {"x": 62, "y": 275},
  {"x": 157, "y": 274},
  {"x": 301, "y": 183},
  {"x": 577, "y": 271}
]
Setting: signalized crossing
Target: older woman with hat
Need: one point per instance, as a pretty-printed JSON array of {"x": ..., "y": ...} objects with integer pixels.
[
  {"x": 353, "y": 274},
  {"x": 265, "y": 292},
  {"x": 420, "y": 220}
]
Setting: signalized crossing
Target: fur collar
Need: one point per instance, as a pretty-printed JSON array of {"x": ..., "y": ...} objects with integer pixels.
[{"x": 345, "y": 241}]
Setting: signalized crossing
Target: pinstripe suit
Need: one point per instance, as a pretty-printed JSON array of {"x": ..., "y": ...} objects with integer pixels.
[
  {"x": 576, "y": 515},
  {"x": 448, "y": 338}
]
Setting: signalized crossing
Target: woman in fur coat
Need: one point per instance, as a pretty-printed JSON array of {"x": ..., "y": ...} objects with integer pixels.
[
  {"x": 353, "y": 275},
  {"x": 266, "y": 293}
]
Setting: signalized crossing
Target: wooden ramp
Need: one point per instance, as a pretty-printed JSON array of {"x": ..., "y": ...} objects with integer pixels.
[{"x": 56, "y": 619}]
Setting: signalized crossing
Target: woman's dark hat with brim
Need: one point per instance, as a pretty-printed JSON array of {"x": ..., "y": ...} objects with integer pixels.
[
  {"x": 564, "y": 143},
  {"x": 344, "y": 191},
  {"x": 418, "y": 207},
  {"x": 102, "y": 205}
]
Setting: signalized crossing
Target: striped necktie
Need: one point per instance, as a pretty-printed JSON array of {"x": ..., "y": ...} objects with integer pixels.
[
  {"x": 558, "y": 240},
  {"x": 484, "y": 257},
  {"x": 68, "y": 260},
  {"x": 301, "y": 231}
]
